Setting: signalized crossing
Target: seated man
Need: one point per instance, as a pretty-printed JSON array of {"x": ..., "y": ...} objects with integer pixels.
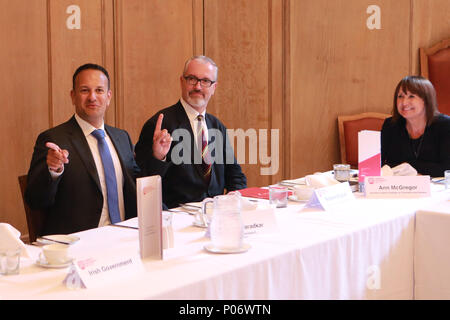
[
  {"x": 83, "y": 172},
  {"x": 191, "y": 169}
]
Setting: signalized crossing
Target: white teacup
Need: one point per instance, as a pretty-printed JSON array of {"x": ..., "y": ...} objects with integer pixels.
[
  {"x": 303, "y": 192},
  {"x": 55, "y": 253}
]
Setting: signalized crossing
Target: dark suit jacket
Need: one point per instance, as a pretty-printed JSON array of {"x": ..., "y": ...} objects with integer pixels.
[
  {"x": 74, "y": 200},
  {"x": 183, "y": 182}
]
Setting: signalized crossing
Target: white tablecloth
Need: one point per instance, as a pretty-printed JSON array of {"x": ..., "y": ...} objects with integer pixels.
[
  {"x": 362, "y": 249},
  {"x": 432, "y": 251}
]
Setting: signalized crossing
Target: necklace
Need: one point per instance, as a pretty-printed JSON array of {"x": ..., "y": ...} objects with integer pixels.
[{"x": 417, "y": 151}]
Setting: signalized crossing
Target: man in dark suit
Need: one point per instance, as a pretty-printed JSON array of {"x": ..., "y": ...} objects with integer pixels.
[
  {"x": 191, "y": 169},
  {"x": 69, "y": 177}
]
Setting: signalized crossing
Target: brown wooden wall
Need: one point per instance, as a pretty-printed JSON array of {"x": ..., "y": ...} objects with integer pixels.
[{"x": 289, "y": 65}]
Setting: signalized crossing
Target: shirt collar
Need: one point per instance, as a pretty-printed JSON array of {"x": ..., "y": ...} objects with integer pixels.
[
  {"x": 86, "y": 127},
  {"x": 191, "y": 112}
]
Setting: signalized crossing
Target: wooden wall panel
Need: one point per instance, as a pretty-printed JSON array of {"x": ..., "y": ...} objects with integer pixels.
[
  {"x": 154, "y": 39},
  {"x": 292, "y": 65},
  {"x": 24, "y": 97},
  {"x": 244, "y": 38},
  {"x": 70, "y": 48},
  {"x": 337, "y": 67},
  {"x": 430, "y": 24}
]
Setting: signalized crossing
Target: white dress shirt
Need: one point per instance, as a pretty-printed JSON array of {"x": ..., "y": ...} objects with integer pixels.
[{"x": 192, "y": 115}]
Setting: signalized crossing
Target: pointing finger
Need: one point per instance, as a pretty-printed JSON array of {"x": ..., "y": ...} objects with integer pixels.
[
  {"x": 159, "y": 122},
  {"x": 53, "y": 146}
]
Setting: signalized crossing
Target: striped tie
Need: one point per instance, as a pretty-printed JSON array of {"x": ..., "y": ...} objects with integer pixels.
[{"x": 206, "y": 161}]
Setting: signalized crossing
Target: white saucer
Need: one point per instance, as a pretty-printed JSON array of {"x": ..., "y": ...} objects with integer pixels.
[
  {"x": 294, "y": 198},
  {"x": 209, "y": 247},
  {"x": 58, "y": 238},
  {"x": 45, "y": 264}
]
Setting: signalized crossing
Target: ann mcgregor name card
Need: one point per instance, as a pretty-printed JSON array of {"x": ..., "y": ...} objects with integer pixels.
[{"x": 397, "y": 187}]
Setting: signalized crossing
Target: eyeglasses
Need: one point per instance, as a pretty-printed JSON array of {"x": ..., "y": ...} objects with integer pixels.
[{"x": 192, "y": 80}]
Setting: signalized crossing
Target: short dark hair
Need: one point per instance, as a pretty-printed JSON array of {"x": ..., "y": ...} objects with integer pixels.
[
  {"x": 424, "y": 89},
  {"x": 91, "y": 66}
]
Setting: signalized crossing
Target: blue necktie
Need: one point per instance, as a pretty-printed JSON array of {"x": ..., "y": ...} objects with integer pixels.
[{"x": 110, "y": 176}]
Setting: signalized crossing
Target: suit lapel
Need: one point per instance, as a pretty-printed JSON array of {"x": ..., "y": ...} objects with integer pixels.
[
  {"x": 80, "y": 144},
  {"x": 115, "y": 138},
  {"x": 119, "y": 146}
]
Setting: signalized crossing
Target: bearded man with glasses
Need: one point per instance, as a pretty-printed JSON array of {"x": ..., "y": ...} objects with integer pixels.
[{"x": 188, "y": 147}]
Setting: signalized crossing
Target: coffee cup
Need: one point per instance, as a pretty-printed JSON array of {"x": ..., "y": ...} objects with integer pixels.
[
  {"x": 55, "y": 253},
  {"x": 303, "y": 192}
]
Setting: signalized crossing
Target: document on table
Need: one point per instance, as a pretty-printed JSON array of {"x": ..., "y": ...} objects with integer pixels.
[{"x": 130, "y": 223}]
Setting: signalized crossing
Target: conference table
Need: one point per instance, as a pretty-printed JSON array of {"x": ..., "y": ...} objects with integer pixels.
[
  {"x": 432, "y": 251},
  {"x": 360, "y": 249}
]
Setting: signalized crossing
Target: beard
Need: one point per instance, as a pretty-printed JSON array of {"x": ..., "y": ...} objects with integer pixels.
[{"x": 197, "y": 101}]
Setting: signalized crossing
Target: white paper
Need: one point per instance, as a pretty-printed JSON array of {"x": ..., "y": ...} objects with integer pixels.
[
  {"x": 397, "y": 187},
  {"x": 329, "y": 196},
  {"x": 100, "y": 270},
  {"x": 259, "y": 221},
  {"x": 149, "y": 202}
]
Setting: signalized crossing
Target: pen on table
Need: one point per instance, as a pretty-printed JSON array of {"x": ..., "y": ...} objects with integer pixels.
[
  {"x": 122, "y": 226},
  {"x": 182, "y": 211}
]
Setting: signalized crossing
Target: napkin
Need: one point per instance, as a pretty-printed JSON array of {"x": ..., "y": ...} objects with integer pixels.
[
  {"x": 320, "y": 180},
  {"x": 295, "y": 181},
  {"x": 403, "y": 169},
  {"x": 10, "y": 239},
  {"x": 386, "y": 171},
  {"x": 246, "y": 204}
]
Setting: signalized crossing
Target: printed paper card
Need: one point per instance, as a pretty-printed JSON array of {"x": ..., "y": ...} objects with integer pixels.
[
  {"x": 259, "y": 221},
  {"x": 369, "y": 154},
  {"x": 149, "y": 203},
  {"x": 329, "y": 196},
  {"x": 97, "y": 271},
  {"x": 397, "y": 187}
]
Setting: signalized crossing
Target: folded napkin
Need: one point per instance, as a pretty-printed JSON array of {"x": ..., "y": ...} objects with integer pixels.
[
  {"x": 320, "y": 180},
  {"x": 10, "y": 239},
  {"x": 403, "y": 169},
  {"x": 246, "y": 204}
]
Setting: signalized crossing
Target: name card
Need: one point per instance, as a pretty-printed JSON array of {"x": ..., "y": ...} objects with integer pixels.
[
  {"x": 329, "y": 196},
  {"x": 96, "y": 272},
  {"x": 397, "y": 187},
  {"x": 149, "y": 207},
  {"x": 259, "y": 221}
]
